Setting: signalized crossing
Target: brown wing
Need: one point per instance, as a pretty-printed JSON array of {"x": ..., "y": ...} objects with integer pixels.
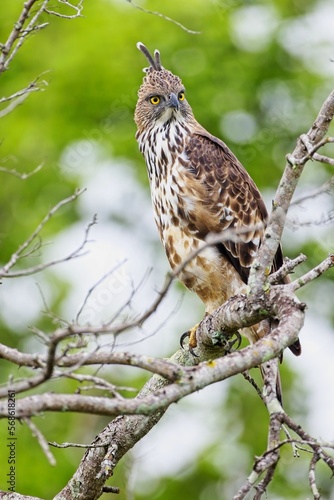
[{"x": 228, "y": 199}]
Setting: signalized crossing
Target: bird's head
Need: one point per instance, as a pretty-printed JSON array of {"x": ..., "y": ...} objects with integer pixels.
[{"x": 161, "y": 97}]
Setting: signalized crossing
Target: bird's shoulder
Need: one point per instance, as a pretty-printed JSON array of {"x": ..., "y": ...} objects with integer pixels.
[{"x": 215, "y": 164}]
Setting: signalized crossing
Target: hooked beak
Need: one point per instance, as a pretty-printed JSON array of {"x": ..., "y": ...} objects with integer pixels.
[{"x": 173, "y": 102}]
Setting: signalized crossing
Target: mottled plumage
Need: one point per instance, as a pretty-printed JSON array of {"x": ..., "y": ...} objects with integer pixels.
[{"x": 198, "y": 187}]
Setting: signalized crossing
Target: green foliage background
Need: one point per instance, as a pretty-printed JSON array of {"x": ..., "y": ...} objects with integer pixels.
[{"x": 93, "y": 70}]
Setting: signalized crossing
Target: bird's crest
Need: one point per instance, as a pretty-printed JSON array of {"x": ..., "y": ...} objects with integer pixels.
[
  {"x": 155, "y": 62},
  {"x": 157, "y": 78}
]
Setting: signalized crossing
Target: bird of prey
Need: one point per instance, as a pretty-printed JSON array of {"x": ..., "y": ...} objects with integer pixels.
[{"x": 198, "y": 187}]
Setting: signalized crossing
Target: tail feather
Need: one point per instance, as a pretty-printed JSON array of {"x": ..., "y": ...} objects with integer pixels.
[{"x": 296, "y": 348}]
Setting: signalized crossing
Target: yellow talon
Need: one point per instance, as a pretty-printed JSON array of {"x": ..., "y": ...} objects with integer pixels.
[{"x": 191, "y": 334}]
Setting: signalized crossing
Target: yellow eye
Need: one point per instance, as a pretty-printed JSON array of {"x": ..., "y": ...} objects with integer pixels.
[
  {"x": 181, "y": 96},
  {"x": 155, "y": 100}
]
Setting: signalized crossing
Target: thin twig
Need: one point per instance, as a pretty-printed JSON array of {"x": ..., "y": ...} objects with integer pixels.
[
  {"x": 77, "y": 445},
  {"x": 326, "y": 188},
  {"x": 313, "y": 273},
  {"x": 95, "y": 286},
  {"x": 40, "y": 267},
  {"x": 4, "y": 271},
  {"x": 166, "y": 18},
  {"x": 311, "y": 475},
  {"x": 78, "y": 8},
  {"x": 24, "y": 175},
  {"x": 288, "y": 266},
  {"x": 41, "y": 440}
]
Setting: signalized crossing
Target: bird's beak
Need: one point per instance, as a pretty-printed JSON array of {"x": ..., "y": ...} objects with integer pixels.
[{"x": 173, "y": 102}]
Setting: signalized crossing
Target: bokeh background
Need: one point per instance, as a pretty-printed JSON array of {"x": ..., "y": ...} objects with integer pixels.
[{"x": 256, "y": 74}]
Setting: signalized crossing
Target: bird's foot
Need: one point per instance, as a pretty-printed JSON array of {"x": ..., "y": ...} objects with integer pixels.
[
  {"x": 191, "y": 334},
  {"x": 230, "y": 343}
]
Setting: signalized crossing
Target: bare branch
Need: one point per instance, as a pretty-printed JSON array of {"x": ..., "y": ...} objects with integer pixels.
[
  {"x": 19, "y": 33},
  {"x": 41, "y": 440},
  {"x": 324, "y": 220},
  {"x": 311, "y": 475},
  {"x": 78, "y": 9},
  {"x": 323, "y": 159},
  {"x": 165, "y": 369},
  {"x": 252, "y": 382},
  {"x": 6, "y": 48},
  {"x": 91, "y": 290},
  {"x": 77, "y": 445},
  {"x": 166, "y": 18},
  {"x": 23, "y": 176},
  {"x": 9, "y": 50},
  {"x": 313, "y": 273},
  {"x": 15, "y": 103},
  {"x": 313, "y": 443},
  {"x": 97, "y": 383},
  {"x": 285, "y": 191},
  {"x": 327, "y": 187},
  {"x": 288, "y": 266},
  {"x": 211, "y": 239},
  {"x": 4, "y": 271},
  {"x": 312, "y": 148},
  {"x": 33, "y": 86}
]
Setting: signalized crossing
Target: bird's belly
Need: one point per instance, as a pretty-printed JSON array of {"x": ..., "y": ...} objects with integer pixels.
[{"x": 208, "y": 273}]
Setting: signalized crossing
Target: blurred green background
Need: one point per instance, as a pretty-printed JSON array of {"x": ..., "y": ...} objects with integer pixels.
[{"x": 256, "y": 75}]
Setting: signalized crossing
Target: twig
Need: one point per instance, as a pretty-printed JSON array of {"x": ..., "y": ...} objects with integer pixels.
[
  {"x": 4, "y": 271},
  {"x": 313, "y": 443},
  {"x": 293, "y": 170},
  {"x": 15, "y": 103},
  {"x": 313, "y": 273},
  {"x": 324, "y": 220},
  {"x": 166, "y": 18},
  {"x": 15, "y": 33},
  {"x": 41, "y": 440},
  {"x": 78, "y": 8},
  {"x": 32, "y": 87},
  {"x": 99, "y": 383},
  {"x": 312, "y": 148},
  {"x": 327, "y": 187},
  {"x": 311, "y": 476},
  {"x": 8, "y": 50},
  {"x": 23, "y": 176},
  {"x": 262, "y": 486},
  {"x": 40, "y": 267},
  {"x": 288, "y": 266},
  {"x": 250, "y": 379},
  {"x": 77, "y": 445},
  {"x": 91, "y": 290}
]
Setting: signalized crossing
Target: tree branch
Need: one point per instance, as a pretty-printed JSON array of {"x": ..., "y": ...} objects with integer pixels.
[
  {"x": 18, "y": 254},
  {"x": 293, "y": 170}
]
